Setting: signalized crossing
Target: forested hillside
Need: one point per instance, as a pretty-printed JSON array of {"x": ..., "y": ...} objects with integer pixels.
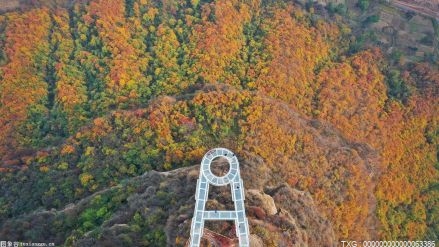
[{"x": 98, "y": 93}]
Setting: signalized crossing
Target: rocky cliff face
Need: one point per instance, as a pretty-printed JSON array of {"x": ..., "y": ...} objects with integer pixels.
[
  {"x": 156, "y": 209},
  {"x": 164, "y": 203}
]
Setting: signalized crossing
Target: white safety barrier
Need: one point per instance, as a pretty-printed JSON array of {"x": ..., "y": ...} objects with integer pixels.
[{"x": 234, "y": 179}]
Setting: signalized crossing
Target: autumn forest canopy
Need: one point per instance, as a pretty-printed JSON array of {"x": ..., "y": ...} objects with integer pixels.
[{"x": 96, "y": 93}]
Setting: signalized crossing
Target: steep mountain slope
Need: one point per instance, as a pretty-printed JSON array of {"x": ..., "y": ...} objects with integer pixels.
[
  {"x": 95, "y": 95},
  {"x": 155, "y": 209}
]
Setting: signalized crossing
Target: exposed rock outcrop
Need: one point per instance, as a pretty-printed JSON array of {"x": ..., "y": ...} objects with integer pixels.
[
  {"x": 280, "y": 216},
  {"x": 262, "y": 200}
]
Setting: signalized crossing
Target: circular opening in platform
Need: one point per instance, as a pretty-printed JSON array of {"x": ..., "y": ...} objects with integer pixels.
[{"x": 219, "y": 166}]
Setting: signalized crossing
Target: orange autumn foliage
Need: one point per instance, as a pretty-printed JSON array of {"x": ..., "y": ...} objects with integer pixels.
[
  {"x": 295, "y": 48},
  {"x": 128, "y": 61},
  {"x": 337, "y": 176},
  {"x": 218, "y": 41},
  {"x": 266, "y": 79},
  {"x": 70, "y": 87},
  {"x": 22, "y": 84},
  {"x": 352, "y": 96}
]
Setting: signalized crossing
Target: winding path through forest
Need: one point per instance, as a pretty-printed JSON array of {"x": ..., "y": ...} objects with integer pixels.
[{"x": 416, "y": 8}]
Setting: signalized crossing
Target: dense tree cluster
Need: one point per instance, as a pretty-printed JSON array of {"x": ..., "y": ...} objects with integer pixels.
[{"x": 99, "y": 92}]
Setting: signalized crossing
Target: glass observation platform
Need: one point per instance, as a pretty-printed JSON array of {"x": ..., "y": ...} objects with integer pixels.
[{"x": 206, "y": 179}]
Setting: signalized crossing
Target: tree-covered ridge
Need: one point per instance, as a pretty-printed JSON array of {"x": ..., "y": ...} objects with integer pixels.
[{"x": 101, "y": 92}]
